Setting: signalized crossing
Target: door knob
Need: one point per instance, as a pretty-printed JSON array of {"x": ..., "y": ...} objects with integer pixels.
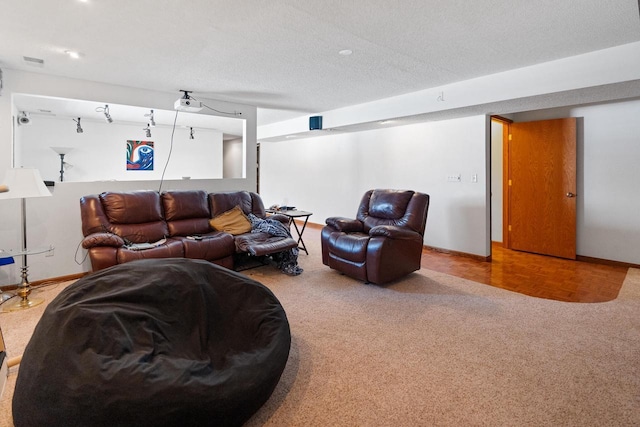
[{"x": 571, "y": 194}]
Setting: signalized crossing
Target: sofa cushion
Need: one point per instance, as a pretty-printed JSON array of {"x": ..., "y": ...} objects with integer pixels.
[
  {"x": 389, "y": 204},
  {"x": 186, "y": 212},
  {"x": 136, "y": 207},
  {"x": 170, "y": 249},
  {"x": 223, "y": 202},
  {"x": 189, "y": 204},
  {"x": 352, "y": 246},
  {"x": 189, "y": 227},
  {"x": 210, "y": 247},
  {"x": 248, "y": 201},
  {"x": 259, "y": 244},
  {"x": 233, "y": 221},
  {"x": 141, "y": 233}
]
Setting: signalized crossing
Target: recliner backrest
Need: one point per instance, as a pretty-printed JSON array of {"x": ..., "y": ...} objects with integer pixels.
[
  {"x": 136, "y": 216},
  {"x": 401, "y": 208},
  {"x": 186, "y": 212},
  {"x": 248, "y": 201}
]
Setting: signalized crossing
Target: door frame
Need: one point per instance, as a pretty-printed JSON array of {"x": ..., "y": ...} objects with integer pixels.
[{"x": 506, "y": 131}]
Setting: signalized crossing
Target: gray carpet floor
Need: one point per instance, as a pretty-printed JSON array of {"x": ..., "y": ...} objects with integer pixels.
[{"x": 435, "y": 350}]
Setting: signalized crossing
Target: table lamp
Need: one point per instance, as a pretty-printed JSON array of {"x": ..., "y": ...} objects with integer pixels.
[{"x": 23, "y": 183}]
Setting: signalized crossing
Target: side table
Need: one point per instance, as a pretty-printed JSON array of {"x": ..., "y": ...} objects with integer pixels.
[{"x": 293, "y": 214}]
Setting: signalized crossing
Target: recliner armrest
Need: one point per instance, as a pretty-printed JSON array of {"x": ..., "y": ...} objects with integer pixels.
[
  {"x": 102, "y": 239},
  {"x": 394, "y": 232},
  {"x": 347, "y": 225},
  {"x": 280, "y": 217}
]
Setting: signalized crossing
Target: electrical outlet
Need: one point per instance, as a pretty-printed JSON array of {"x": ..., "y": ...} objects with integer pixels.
[{"x": 454, "y": 178}]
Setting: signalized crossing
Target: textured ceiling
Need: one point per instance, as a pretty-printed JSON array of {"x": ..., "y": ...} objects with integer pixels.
[{"x": 283, "y": 54}]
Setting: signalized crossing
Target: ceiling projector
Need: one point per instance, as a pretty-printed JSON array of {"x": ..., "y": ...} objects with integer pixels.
[{"x": 188, "y": 104}]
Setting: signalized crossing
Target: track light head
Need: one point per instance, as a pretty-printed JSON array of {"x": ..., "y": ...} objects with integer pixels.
[
  {"x": 152, "y": 120},
  {"x": 23, "y": 118},
  {"x": 191, "y": 134},
  {"x": 107, "y": 116},
  {"x": 147, "y": 131},
  {"x": 105, "y": 110},
  {"x": 78, "y": 126}
]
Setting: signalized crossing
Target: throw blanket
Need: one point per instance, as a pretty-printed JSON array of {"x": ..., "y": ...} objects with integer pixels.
[{"x": 287, "y": 260}]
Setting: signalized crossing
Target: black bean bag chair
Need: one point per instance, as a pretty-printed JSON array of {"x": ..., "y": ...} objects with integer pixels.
[{"x": 164, "y": 342}]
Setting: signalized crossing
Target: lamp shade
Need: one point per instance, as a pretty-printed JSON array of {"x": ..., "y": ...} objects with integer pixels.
[
  {"x": 62, "y": 150},
  {"x": 24, "y": 183}
]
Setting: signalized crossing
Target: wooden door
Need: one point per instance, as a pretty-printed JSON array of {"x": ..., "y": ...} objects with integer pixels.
[{"x": 542, "y": 187}]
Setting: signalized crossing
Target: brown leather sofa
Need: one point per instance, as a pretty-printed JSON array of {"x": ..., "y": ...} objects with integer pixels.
[
  {"x": 173, "y": 224},
  {"x": 385, "y": 240}
]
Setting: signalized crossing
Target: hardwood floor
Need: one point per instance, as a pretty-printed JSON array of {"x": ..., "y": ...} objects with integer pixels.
[
  {"x": 530, "y": 274},
  {"x": 535, "y": 275}
]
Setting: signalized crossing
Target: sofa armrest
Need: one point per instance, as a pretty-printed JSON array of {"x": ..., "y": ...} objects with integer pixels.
[
  {"x": 394, "y": 232},
  {"x": 346, "y": 225},
  {"x": 102, "y": 239},
  {"x": 280, "y": 217}
]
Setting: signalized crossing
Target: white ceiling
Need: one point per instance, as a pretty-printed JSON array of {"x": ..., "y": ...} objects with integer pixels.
[{"x": 282, "y": 55}]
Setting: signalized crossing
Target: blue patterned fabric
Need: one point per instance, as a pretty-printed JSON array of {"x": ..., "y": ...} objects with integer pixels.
[{"x": 287, "y": 260}]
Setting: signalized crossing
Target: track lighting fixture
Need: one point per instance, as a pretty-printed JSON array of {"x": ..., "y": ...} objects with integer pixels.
[
  {"x": 23, "y": 118},
  {"x": 105, "y": 110},
  {"x": 152, "y": 121},
  {"x": 147, "y": 131},
  {"x": 191, "y": 133},
  {"x": 78, "y": 127},
  {"x": 107, "y": 116}
]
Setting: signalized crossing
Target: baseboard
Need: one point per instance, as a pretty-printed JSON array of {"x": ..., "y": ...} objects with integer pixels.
[
  {"x": 606, "y": 262},
  {"x": 456, "y": 253},
  {"x": 37, "y": 283},
  {"x": 310, "y": 224}
]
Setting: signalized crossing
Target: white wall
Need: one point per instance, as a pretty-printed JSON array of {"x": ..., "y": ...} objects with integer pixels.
[
  {"x": 56, "y": 220},
  {"x": 608, "y": 177},
  {"x": 328, "y": 175},
  {"x": 496, "y": 181},
  {"x": 232, "y": 155},
  {"x": 104, "y": 145}
]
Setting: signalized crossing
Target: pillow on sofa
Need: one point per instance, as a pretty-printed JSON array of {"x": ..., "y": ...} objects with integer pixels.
[{"x": 233, "y": 221}]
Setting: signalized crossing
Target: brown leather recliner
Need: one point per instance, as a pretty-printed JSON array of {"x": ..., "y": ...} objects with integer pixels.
[
  {"x": 385, "y": 240},
  {"x": 256, "y": 244}
]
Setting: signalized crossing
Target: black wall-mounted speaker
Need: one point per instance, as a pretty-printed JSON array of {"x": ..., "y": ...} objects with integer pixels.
[{"x": 315, "y": 122}]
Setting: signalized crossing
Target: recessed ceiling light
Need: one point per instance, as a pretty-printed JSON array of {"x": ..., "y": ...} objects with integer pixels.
[
  {"x": 345, "y": 52},
  {"x": 385, "y": 122},
  {"x": 73, "y": 54}
]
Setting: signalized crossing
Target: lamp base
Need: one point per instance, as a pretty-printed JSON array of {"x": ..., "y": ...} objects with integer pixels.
[
  {"x": 21, "y": 304},
  {"x": 23, "y": 291}
]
